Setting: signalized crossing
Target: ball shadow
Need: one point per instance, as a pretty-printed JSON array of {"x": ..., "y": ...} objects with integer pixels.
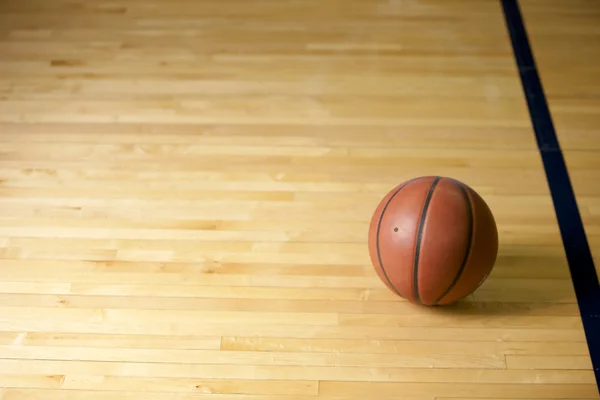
[{"x": 521, "y": 283}]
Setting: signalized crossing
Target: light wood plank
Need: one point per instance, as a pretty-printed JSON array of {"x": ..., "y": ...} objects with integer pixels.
[
  {"x": 495, "y": 398},
  {"x": 303, "y": 376},
  {"x": 340, "y": 346},
  {"x": 424, "y": 359},
  {"x": 582, "y": 362},
  {"x": 484, "y": 390},
  {"x": 38, "y": 394}
]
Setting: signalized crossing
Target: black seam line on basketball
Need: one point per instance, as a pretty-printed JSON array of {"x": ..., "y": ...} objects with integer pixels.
[
  {"x": 577, "y": 250},
  {"x": 469, "y": 244},
  {"x": 419, "y": 238},
  {"x": 387, "y": 278}
]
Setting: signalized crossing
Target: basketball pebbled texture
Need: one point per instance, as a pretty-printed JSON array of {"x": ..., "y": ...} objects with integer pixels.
[{"x": 433, "y": 240}]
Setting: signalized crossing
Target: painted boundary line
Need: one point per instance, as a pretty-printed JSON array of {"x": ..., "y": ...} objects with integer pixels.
[{"x": 577, "y": 250}]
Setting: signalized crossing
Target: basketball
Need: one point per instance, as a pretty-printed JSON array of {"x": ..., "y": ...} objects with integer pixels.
[{"x": 433, "y": 240}]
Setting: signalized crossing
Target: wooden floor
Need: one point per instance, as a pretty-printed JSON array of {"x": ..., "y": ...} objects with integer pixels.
[{"x": 186, "y": 187}]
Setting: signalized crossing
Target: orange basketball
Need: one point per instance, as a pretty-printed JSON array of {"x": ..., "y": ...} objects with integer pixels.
[{"x": 433, "y": 240}]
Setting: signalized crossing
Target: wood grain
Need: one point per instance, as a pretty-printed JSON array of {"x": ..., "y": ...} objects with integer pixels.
[
  {"x": 186, "y": 188},
  {"x": 571, "y": 84}
]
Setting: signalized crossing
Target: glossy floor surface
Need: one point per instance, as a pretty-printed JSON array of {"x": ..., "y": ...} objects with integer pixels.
[{"x": 186, "y": 188}]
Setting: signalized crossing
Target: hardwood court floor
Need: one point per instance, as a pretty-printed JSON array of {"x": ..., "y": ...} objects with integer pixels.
[
  {"x": 566, "y": 38},
  {"x": 186, "y": 186}
]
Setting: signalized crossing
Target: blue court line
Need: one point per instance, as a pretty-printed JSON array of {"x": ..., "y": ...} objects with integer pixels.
[{"x": 579, "y": 256}]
